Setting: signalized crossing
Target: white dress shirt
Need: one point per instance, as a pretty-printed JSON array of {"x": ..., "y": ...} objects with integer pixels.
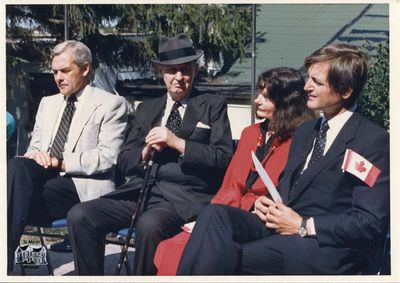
[
  {"x": 335, "y": 125},
  {"x": 168, "y": 107}
]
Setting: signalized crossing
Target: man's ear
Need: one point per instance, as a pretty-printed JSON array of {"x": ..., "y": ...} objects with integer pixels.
[
  {"x": 86, "y": 69},
  {"x": 347, "y": 94}
]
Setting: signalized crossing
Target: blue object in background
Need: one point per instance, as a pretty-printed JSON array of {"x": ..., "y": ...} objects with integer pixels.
[{"x": 10, "y": 125}]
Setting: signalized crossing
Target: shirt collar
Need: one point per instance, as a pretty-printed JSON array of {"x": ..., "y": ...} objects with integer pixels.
[
  {"x": 78, "y": 95},
  {"x": 338, "y": 121},
  {"x": 183, "y": 101}
]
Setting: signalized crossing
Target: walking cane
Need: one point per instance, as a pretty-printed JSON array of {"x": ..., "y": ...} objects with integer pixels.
[{"x": 142, "y": 197}]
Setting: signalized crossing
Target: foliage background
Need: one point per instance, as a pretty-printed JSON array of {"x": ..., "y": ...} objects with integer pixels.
[
  {"x": 126, "y": 36},
  {"x": 374, "y": 102}
]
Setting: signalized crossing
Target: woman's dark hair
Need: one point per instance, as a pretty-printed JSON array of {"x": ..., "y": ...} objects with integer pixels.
[{"x": 285, "y": 88}]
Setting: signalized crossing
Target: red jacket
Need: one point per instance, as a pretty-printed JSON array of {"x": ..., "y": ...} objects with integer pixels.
[{"x": 233, "y": 191}]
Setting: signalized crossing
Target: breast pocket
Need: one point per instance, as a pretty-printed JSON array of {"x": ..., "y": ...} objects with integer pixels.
[
  {"x": 90, "y": 135},
  {"x": 201, "y": 135}
]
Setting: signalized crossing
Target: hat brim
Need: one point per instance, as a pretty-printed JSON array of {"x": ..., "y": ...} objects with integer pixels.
[{"x": 181, "y": 60}]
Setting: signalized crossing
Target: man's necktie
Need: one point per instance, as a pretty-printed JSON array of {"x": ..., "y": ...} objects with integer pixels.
[
  {"x": 174, "y": 120},
  {"x": 318, "y": 151},
  {"x": 319, "y": 146},
  {"x": 57, "y": 147}
]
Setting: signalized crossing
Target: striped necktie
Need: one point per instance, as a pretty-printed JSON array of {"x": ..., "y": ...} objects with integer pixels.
[{"x": 57, "y": 148}]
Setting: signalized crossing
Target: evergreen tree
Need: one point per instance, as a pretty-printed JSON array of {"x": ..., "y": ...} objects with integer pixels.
[
  {"x": 127, "y": 35},
  {"x": 374, "y": 102}
]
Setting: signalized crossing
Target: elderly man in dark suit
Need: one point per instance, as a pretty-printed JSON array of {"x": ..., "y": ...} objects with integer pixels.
[
  {"x": 192, "y": 137},
  {"x": 335, "y": 189}
]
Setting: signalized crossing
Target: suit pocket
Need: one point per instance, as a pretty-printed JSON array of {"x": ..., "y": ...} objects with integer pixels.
[
  {"x": 90, "y": 135},
  {"x": 201, "y": 135}
]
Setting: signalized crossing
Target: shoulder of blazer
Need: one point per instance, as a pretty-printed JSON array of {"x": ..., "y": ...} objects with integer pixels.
[
  {"x": 51, "y": 101},
  {"x": 148, "y": 111},
  {"x": 306, "y": 128},
  {"x": 148, "y": 105},
  {"x": 367, "y": 126},
  {"x": 100, "y": 96},
  {"x": 210, "y": 99},
  {"x": 53, "y": 98}
]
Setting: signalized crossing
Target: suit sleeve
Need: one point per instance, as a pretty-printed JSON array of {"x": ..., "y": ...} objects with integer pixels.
[
  {"x": 368, "y": 215},
  {"x": 35, "y": 140},
  {"x": 110, "y": 138},
  {"x": 129, "y": 159},
  {"x": 218, "y": 152}
]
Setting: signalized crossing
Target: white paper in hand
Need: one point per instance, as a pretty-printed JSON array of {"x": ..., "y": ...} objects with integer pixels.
[
  {"x": 188, "y": 227},
  {"x": 266, "y": 179}
]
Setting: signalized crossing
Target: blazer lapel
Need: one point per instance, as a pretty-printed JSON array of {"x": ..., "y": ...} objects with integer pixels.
[
  {"x": 50, "y": 119},
  {"x": 297, "y": 160},
  {"x": 156, "y": 111},
  {"x": 87, "y": 106},
  {"x": 337, "y": 148},
  {"x": 192, "y": 116}
]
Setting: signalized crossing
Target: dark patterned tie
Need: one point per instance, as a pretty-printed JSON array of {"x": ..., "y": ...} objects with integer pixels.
[
  {"x": 174, "y": 119},
  {"x": 318, "y": 151},
  {"x": 319, "y": 146},
  {"x": 57, "y": 147}
]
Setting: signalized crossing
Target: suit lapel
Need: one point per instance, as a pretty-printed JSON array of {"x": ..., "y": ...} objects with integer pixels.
[
  {"x": 50, "y": 119},
  {"x": 189, "y": 121},
  {"x": 155, "y": 111},
  {"x": 298, "y": 159},
  {"x": 337, "y": 148},
  {"x": 87, "y": 106}
]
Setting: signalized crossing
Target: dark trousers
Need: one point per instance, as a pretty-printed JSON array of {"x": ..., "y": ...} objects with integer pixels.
[
  {"x": 35, "y": 195},
  {"x": 89, "y": 222},
  {"x": 227, "y": 240}
]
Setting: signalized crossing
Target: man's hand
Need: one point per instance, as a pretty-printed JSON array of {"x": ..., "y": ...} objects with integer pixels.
[
  {"x": 146, "y": 152},
  {"x": 160, "y": 137},
  {"x": 261, "y": 208},
  {"x": 42, "y": 158},
  {"x": 277, "y": 216}
]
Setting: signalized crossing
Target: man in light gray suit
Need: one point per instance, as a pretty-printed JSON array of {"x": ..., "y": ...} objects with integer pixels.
[{"x": 74, "y": 147}]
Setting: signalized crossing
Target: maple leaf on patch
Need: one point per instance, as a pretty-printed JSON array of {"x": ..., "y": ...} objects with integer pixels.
[{"x": 360, "y": 167}]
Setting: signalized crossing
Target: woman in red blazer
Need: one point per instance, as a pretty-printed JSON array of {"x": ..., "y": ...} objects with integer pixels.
[{"x": 282, "y": 102}]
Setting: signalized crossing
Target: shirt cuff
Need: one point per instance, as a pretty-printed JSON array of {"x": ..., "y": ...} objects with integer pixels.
[{"x": 311, "y": 227}]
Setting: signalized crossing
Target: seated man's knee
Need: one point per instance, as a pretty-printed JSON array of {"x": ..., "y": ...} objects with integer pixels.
[
  {"x": 147, "y": 222},
  {"x": 18, "y": 162},
  {"x": 150, "y": 225},
  {"x": 213, "y": 210},
  {"x": 77, "y": 214}
]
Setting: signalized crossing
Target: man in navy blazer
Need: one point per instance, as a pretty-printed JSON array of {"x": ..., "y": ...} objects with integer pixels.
[
  {"x": 192, "y": 136},
  {"x": 335, "y": 189}
]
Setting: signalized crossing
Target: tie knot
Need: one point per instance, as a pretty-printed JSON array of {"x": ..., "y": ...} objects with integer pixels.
[
  {"x": 176, "y": 105},
  {"x": 71, "y": 99},
  {"x": 324, "y": 127}
]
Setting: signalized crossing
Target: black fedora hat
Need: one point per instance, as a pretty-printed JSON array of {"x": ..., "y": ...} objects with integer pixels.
[{"x": 176, "y": 50}]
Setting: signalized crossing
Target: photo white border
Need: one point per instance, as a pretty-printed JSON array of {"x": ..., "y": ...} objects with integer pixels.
[{"x": 394, "y": 27}]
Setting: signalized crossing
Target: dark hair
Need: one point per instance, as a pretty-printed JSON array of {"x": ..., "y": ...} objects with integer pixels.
[
  {"x": 348, "y": 68},
  {"x": 285, "y": 87}
]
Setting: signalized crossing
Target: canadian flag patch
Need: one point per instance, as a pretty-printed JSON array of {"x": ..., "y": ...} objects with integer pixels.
[{"x": 360, "y": 167}]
